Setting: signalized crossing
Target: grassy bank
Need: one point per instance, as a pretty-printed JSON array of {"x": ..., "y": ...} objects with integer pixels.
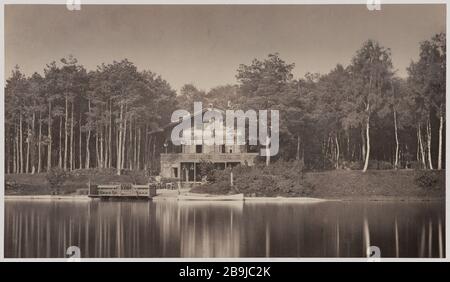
[
  {"x": 378, "y": 184},
  {"x": 341, "y": 184},
  {"x": 37, "y": 184},
  {"x": 287, "y": 181}
]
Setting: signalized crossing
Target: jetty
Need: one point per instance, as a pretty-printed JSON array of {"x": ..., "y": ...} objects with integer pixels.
[{"x": 122, "y": 191}]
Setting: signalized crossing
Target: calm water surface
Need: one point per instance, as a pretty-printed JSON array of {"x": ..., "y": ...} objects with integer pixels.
[{"x": 35, "y": 228}]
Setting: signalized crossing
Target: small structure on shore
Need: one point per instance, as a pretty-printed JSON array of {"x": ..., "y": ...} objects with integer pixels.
[{"x": 122, "y": 190}]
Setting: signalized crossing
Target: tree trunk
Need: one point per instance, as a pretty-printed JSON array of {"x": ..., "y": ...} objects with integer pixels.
[
  {"x": 366, "y": 162},
  {"x": 135, "y": 147},
  {"x": 15, "y": 158},
  {"x": 154, "y": 154},
  {"x": 298, "y": 148},
  {"x": 139, "y": 150},
  {"x": 105, "y": 162},
  {"x": 66, "y": 135},
  {"x": 17, "y": 149},
  {"x": 130, "y": 147},
  {"x": 21, "y": 143},
  {"x": 88, "y": 139},
  {"x": 430, "y": 163},
  {"x": 60, "y": 143},
  {"x": 28, "y": 140},
  {"x": 33, "y": 144},
  {"x": 441, "y": 126},
  {"x": 124, "y": 142},
  {"x": 421, "y": 149},
  {"x": 80, "y": 159},
  {"x": 39, "y": 144},
  {"x": 97, "y": 153},
  {"x": 71, "y": 138},
  {"x": 145, "y": 154},
  {"x": 88, "y": 151},
  {"x": 101, "y": 146},
  {"x": 49, "y": 150},
  {"x": 110, "y": 135},
  {"x": 363, "y": 144},
  {"x": 119, "y": 145},
  {"x": 337, "y": 152},
  {"x": 396, "y": 140}
]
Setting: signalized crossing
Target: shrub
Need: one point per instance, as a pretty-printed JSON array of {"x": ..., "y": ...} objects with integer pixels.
[
  {"x": 352, "y": 165},
  {"x": 380, "y": 165},
  {"x": 415, "y": 165},
  {"x": 383, "y": 165},
  {"x": 427, "y": 179},
  {"x": 137, "y": 176},
  {"x": 207, "y": 170},
  {"x": 55, "y": 178},
  {"x": 281, "y": 178}
]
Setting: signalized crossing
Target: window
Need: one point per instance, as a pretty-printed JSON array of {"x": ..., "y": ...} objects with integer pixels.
[
  {"x": 175, "y": 172},
  {"x": 198, "y": 149}
]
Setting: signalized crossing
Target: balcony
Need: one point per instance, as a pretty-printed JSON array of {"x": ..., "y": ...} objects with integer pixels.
[{"x": 210, "y": 157}]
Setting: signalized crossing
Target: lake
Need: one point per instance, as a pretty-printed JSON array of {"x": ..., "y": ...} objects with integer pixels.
[{"x": 104, "y": 229}]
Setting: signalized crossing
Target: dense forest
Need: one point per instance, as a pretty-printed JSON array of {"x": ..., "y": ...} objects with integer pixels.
[{"x": 360, "y": 116}]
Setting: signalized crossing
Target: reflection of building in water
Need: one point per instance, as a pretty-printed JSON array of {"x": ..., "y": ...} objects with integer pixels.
[
  {"x": 186, "y": 229},
  {"x": 204, "y": 235}
]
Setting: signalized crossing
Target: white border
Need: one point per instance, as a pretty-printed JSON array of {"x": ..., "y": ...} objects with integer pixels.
[{"x": 213, "y": 2}]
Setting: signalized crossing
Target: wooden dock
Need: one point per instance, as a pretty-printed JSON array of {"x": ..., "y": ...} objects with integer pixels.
[{"x": 122, "y": 191}]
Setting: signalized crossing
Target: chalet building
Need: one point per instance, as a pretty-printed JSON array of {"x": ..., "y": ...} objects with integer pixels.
[{"x": 183, "y": 161}]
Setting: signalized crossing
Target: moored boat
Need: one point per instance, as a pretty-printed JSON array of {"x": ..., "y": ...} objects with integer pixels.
[{"x": 207, "y": 197}]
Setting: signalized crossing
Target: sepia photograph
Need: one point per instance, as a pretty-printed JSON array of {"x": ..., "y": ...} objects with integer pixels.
[{"x": 225, "y": 131}]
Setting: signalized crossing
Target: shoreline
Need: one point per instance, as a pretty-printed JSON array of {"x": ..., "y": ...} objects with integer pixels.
[
  {"x": 326, "y": 186},
  {"x": 277, "y": 199}
]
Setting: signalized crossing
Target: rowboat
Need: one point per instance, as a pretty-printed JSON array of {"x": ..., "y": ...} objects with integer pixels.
[{"x": 207, "y": 197}]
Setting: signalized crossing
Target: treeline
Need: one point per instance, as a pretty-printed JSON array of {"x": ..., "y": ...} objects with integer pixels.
[
  {"x": 359, "y": 116},
  {"x": 74, "y": 119}
]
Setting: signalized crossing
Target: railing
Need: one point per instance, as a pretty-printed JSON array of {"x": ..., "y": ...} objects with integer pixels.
[
  {"x": 122, "y": 190},
  {"x": 214, "y": 157}
]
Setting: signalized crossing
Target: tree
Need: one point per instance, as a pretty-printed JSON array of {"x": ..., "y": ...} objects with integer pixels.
[
  {"x": 261, "y": 84},
  {"x": 370, "y": 72},
  {"x": 427, "y": 79}
]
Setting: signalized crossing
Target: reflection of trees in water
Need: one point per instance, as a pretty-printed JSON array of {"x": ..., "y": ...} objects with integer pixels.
[
  {"x": 210, "y": 230},
  {"x": 174, "y": 229}
]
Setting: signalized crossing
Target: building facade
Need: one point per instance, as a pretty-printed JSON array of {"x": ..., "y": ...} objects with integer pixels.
[{"x": 183, "y": 161}]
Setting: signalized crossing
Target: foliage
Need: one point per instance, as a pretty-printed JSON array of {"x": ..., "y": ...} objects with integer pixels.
[
  {"x": 428, "y": 179},
  {"x": 279, "y": 179},
  {"x": 380, "y": 165},
  {"x": 207, "y": 170},
  {"x": 56, "y": 178},
  {"x": 110, "y": 118}
]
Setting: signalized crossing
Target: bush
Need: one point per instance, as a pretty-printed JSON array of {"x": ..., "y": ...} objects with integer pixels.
[
  {"x": 415, "y": 165},
  {"x": 383, "y": 165},
  {"x": 352, "y": 165},
  {"x": 137, "y": 176},
  {"x": 94, "y": 171},
  {"x": 55, "y": 178},
  {"x": 281, "y": 178},
  {"x": 207, "y": 170},
  {"x": 379, "y": 165},
  {"x": 428, "y": 179}
]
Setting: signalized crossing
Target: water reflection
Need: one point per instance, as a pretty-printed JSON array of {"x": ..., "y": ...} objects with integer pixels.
[{"x": 228, "y": 229}]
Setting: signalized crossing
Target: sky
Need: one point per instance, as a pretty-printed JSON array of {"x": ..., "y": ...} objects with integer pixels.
[{"x": 204, "y": 45}]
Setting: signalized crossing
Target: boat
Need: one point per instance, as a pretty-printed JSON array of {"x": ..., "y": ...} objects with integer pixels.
[{"x": 209, "y": 197}]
